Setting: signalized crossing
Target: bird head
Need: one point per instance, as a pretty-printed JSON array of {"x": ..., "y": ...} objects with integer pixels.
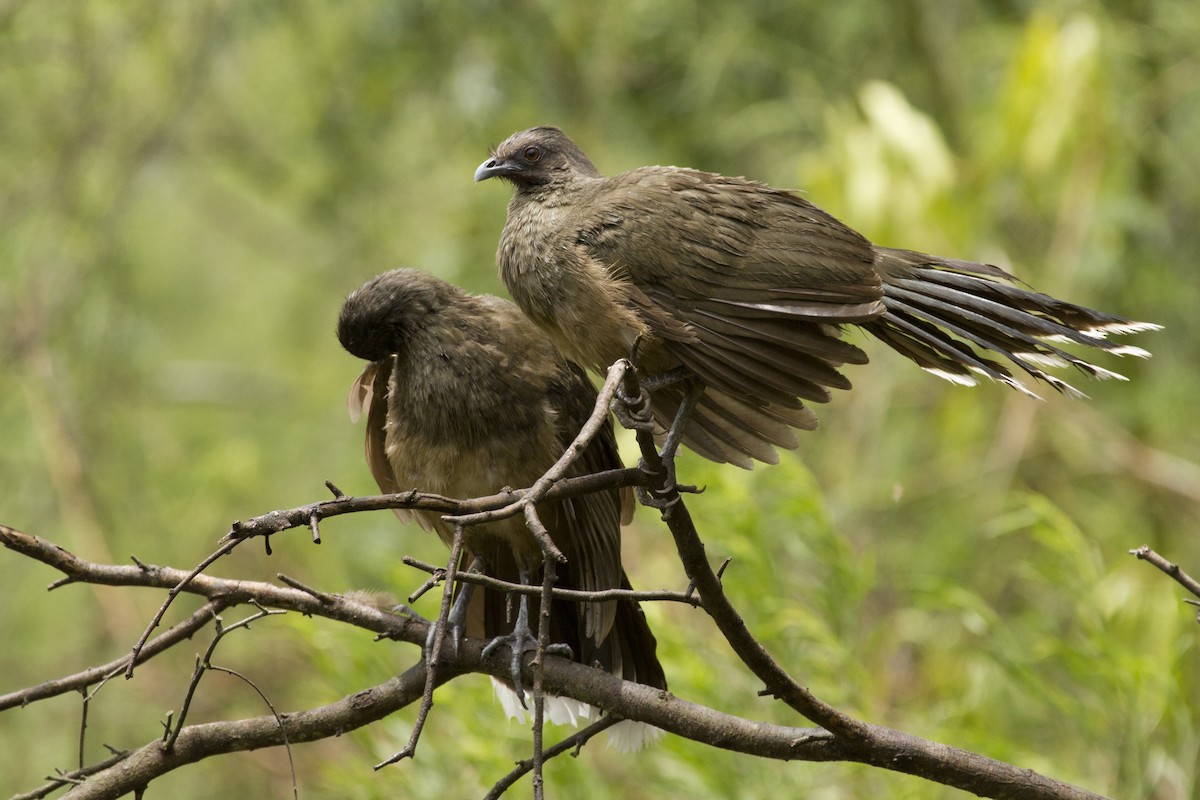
[
  {"x": 536, "y": 157},
  {"x": 378, "y": 318}
]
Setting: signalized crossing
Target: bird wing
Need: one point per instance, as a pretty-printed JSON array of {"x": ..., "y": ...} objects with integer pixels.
[
  {"x": 696, "y": 237},
  {"x": 760, "y": 277},
  {"x": 369, "y": 396},
  {"x": 757, "y": 279}
]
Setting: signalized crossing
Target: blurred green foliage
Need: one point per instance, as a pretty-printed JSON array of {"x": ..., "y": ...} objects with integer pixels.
[{"x": 188, "y": 190}]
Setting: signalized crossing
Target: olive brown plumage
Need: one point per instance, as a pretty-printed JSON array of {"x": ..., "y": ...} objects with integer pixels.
[
  {"x": 745, "y": 288},
  {"x": 464, "y": 396}
]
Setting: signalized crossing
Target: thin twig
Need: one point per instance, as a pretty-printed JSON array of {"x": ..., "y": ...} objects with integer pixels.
[
  {"x": 539, "y": 675},
  {"x": 72, "y": 778},
  {"x": 571, "y": 595},
  {"x": 1144, "y": 553},
  {"x": 433, "y": 654},
  {"x": 83, "y": 728},
  {"x": 204, "y": 663},
  {"x": 436, "y": 576},
  {"x": 540, "y": 534},
  {"x": 224, "y": 549},
  {"x": 285, "y": 519},
  {"x": 572, "y": 742},
  {"x": 324, "y": 597},
  {"x": 287, "y": 746}
]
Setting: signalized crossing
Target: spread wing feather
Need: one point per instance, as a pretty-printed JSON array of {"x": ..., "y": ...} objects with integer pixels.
[{"x": 761, "y": 280}]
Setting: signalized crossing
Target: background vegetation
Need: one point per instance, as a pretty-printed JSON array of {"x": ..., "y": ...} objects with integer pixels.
[{"x": 188, "y": 191}]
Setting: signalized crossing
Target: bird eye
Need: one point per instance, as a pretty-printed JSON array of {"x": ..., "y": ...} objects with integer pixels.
[{"x": 532, "y": 153}]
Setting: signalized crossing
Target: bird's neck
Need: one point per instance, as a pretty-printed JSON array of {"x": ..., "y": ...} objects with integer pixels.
[{"x": 562, "y": 190}]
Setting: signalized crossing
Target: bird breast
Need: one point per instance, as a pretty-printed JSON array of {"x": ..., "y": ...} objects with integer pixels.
[{"x": 576, "y": 299}]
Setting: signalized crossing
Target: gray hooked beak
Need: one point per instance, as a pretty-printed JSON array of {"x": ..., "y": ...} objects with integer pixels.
[{"x": 495, "y": 168}]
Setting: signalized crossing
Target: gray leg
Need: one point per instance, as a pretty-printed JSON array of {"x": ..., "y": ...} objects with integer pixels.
[
  {"x": 691, "y": 396},
  {"x": 522, "y": 639},
  {"x": 456, "y": 621}
]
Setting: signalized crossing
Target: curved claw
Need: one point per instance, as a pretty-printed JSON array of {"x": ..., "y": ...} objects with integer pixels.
[
  {"x": 521, "y": 641},
  {"x": 633, "y": 412},
  {"x": 519, "y": 644}
]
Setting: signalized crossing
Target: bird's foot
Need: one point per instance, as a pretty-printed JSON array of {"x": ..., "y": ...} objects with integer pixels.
[
  {"x": 665, "y": 494},
  {"x": 633, "y": 412},
  {"x": 691, "y": 397},
  {"x": 454, "y": 629},
  {"x": 521, "y": 641}
]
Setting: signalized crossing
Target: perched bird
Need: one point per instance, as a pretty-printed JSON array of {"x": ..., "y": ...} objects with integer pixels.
[
  {"x": 463, "y": 396},
  {"x": 742, "y": 290}
]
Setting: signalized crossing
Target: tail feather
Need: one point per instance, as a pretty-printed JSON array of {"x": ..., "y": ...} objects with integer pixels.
[
  {"x": 627, "y": 736},
  {"x": 936, "y": 351},
  {"x": 994, "y": 333},
  {"x": 1033, "y": 312},
  {"x": 940, "y": 310}
]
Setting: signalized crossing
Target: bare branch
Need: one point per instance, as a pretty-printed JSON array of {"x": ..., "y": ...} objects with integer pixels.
[
  {"x": 872, "y": 744},
  {"x": 73, "y": 777},
  {"x": 224, "y": 549},
  {"x": 573, "y": 742},
  {"x": 902, "y": 753},
  {"x": 229, "y": 592},
  {"x": 286, "y": 519},
  {"x": 1144, "y": 553},
  {"x": 695, "y": 564},
  {"x": 197, "y": 742},
  {"x": 204, "y": 663},
  {"x": 853, "y": 740},
  {"x": 539, "y": 673},
  {"x": 433, "y": 647},
  {"x": 295, "y": 584}
]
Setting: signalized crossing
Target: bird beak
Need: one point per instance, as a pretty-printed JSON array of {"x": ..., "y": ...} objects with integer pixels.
[{"x": 496, "y": 167}]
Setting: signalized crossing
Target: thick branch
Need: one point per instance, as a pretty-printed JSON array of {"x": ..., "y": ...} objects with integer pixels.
[
  {"x": 197, "y": 742},
  {"x": 695, "y": 564},
  {"x": 869, "y": 744},
  {"x": 900, "y": 752},
  {"x": 232, "y": 592}
]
